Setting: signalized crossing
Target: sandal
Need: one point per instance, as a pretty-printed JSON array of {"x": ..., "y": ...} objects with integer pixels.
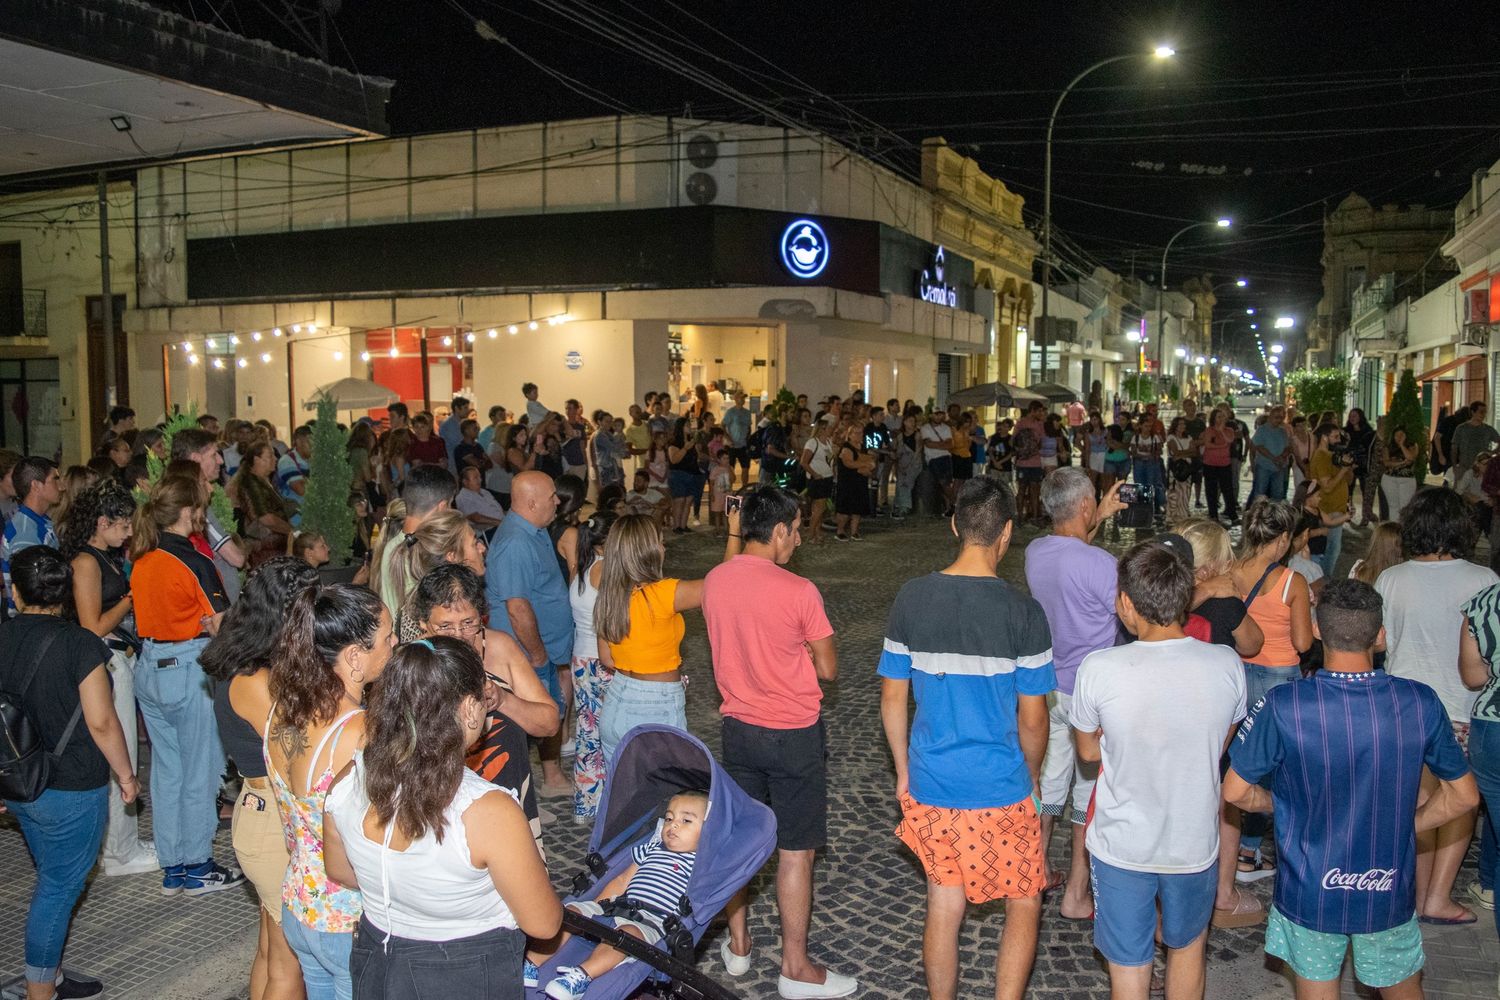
[
  {"x": 1253, "y": 868},
  {"x": 1247, "y": 911}
]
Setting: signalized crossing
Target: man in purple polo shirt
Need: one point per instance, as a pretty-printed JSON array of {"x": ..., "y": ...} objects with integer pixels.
[{"x": 1074, "y": 581}]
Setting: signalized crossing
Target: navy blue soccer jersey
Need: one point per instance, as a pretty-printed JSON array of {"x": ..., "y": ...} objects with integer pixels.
[{"x": 1345, "y": 753}]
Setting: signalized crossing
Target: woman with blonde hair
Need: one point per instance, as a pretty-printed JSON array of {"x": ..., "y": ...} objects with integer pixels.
[
  {"x": 72, "y": 484},
  {"x": 1215, "y": 599},
  {"x": 638, "y": 619},
  {"x": 179, "y": 601},
  {"x": 1383, "y": 553},
  {"x": 445, "y": 537}
]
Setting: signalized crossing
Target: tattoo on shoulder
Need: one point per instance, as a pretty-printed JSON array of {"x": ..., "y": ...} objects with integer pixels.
[{"x": 291, "y": 739}]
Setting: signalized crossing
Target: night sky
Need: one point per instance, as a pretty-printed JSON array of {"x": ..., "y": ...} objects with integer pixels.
[{"x": 1270, "y": 114}]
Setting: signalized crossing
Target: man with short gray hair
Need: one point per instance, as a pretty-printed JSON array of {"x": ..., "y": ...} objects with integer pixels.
[{"x": 1074, "y": 581}]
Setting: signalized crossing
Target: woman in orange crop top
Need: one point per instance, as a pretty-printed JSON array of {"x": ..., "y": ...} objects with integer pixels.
[
  {"x": 1278, "y": 600},
  {"x": 638, "y": 618}
]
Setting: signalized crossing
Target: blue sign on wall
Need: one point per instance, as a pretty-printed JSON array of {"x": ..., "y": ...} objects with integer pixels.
[
  {"x": 804, "y": 249},
  {"x": 573, "y": 360}
]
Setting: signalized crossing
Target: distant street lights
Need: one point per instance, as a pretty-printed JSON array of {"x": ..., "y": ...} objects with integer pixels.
[
  {"x": 1160, "y": 52},
  {"x": 1161, "y": 296}
]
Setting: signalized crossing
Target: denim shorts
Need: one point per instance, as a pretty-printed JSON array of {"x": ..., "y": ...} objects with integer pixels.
[
  {"x": 632, "y": 702},
  {"x": 547, "y": 674},
  {"x": 680, "y": 484},
  {"x": 1381, "y": 959},
  {"x": 1125, "y": 910}
]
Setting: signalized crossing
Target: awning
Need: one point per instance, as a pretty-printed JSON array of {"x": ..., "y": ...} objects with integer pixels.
[{"x": 1447, "y": 368}]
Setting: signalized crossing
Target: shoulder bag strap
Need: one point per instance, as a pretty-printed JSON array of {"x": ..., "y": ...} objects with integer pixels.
[
  {"x": 1250, "y": 599},
  {"x": 41, "y": 657}
]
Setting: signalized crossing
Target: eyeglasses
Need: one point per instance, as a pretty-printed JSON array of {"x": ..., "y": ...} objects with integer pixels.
[{"x": 468, "y": 626}]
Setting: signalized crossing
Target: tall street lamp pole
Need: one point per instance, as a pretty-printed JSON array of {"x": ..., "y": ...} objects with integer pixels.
[
  {"x": 1160, "y": 52},
  {"x": 1161, "y": 294}
]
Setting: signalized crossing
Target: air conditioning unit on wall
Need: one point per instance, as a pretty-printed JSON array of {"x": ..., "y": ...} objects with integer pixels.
[
  {"x": 1475, "y": 335},
  {"x": 707, "y": 168}
]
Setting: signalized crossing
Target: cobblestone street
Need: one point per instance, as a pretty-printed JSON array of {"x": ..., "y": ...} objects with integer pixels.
[{"x": 870, "y": 891}]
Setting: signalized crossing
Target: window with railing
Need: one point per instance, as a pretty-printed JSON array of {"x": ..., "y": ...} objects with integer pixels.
[{"x": 23, "y": 312}]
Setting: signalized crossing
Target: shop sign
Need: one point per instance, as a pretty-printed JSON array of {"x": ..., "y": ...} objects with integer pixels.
[
  {"x": 804, "y": 249},
  {"x": 931, "y": 287},
  {"x": 573, "y": 360}
]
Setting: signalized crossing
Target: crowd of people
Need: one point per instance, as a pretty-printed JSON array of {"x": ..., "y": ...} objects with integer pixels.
[{"x": 370, "y": 742}]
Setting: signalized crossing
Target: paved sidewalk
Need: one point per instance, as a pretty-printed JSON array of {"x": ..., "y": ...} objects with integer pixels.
[{"x": 870, "y": 890}]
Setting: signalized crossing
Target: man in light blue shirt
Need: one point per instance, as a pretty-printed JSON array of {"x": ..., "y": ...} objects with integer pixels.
[
  {"x": 1272, "y": 447},
  {"x": 737, "y": 422},
  {"x": 528, "y": 600},
  {"x": 451, "y": 430},
  {"x": 37, "y": 484}
]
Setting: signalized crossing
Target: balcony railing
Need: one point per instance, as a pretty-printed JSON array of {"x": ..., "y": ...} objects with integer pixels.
[{"x": 23, "y": 313}]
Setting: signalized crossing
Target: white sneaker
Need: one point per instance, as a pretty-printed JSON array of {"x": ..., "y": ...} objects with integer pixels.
[
  {"x": 735, "y": 965},
  {"x": 833, "y": 985},
  {"x": 141, "y": 861}
]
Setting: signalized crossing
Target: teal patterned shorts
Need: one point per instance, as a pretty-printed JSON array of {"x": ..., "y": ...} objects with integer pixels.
[{"x": 1381, "y": 959}]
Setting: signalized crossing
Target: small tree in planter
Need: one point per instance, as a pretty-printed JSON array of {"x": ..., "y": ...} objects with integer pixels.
[
  {"x": 325, "y": 506},
  {"x": 1406, "y": 413},
  {"x": 1320, "y": 389},
  {"x": 218, "y": 500}
]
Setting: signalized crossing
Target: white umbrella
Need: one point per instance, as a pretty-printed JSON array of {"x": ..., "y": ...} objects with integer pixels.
[{"x": 353, "y": 394}]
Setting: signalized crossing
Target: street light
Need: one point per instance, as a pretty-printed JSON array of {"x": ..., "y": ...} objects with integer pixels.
[
  {"x": 1241, "y": 283},
  {"x": 1285, "y": 322},
  {"x": 1159, "y": 52},
  {"x": 1161, "y": 295},
  {"x": 1276, "y": 348}
]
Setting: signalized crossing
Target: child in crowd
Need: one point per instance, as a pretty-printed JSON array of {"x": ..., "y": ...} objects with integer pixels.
[
  {"x": 652, "y": 886},
  {"x": 469, "y": 453},
  {"x": 311, "y": 548},
  {"x": 719, "y": 481},
  {"x": 1155, "y": 715},
  {"x": 1348, "y": 860},
  {"x": 656, "y": 461},
  {"x": 1300, "y": 554}
]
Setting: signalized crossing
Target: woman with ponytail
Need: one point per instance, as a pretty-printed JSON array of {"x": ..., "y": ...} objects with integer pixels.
[
  {"x": 97, "y": 527},
  {"x": 590, "y": 677},
  {"x": 179, "y": 601},
  {"x": 452, "y": 878},
  {"x": 238, "y": 664},
  {"x": 335, "y": 641},
  {"x": 446, "y": 537}
]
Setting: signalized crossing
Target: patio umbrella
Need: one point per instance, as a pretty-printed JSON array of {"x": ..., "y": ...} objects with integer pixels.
[
  {"x": 1001, "y": 394},
  {"x": 1054, "y": 392},
  {"x": 353, "y": 394}
]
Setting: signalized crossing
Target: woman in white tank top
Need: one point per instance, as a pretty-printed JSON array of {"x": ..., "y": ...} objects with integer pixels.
[
  {"x": 590, "y": 678},
  {"x": 451, "y": 877}
]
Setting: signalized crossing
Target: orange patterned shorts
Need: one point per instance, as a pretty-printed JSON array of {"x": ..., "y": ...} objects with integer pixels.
[{"x": 991, "y": 853}]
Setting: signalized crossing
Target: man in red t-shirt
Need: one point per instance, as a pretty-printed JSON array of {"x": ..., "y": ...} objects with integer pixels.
[
  {"x": 772, "y": 644},
  {"x": 426, "y": 448}
]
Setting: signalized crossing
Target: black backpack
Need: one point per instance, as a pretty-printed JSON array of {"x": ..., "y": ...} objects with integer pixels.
[{"x": 25, "y": 762}]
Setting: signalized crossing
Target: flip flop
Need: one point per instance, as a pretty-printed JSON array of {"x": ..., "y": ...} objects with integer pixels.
[
  {"x": 1077, "y": 920},
  {"x": 1449, "y": 921},
  {"x": 1055, "y": 881},
  {"x": 1247, "y": 911}
]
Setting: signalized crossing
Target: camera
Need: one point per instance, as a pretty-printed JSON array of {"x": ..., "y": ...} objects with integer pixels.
[{"x": 1342, "y": 453}]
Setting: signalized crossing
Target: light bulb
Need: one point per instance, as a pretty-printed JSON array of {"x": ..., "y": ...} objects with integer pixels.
[
  {"x": 364, "y": 355},
  {"x": 338, "y": 355},
  {"x": 192, "y": 359},
  {"x": 255, "y": 336},
  {"x": 234, "y": 342},
  {"x": 513, "y": 329},
  {"x": 296, "y": 327},
  {"x": 218, "y": 362},
  {"x": 276, "y": 332},
  {"x": 312, "y": 328},
  {"x": 447, "y": 341},
  {"x": 187, "y": 345},
  {"x": 265, "y": 359},
  {"x": 210, "y": 343},
  {"x": 469, "y": 336},
  {"x": 458, "y": 356},
  {"x": 242, "y": 362},
  {"x": 493, "y": 333},
  {"x": 395, "y": 353},
  {"x": 532, "y": 324}
]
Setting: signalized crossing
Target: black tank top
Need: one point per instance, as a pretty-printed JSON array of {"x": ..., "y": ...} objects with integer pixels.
[
  {"x": 113, "y": 586},
  {"x": 241, "y": 740}
]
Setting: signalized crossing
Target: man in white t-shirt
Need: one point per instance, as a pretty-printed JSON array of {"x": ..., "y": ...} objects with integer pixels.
[
  {"x": 1423, "y": 601},
  {"x": 1156, "y": 715},
  {"x": 937, "y": 452}
]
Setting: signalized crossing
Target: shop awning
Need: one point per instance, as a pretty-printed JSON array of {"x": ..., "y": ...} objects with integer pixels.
[{"x": 1447, "y": 368}]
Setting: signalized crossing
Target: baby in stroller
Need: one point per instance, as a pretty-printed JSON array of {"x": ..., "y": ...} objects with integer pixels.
[{"x": 636, "y": 900}]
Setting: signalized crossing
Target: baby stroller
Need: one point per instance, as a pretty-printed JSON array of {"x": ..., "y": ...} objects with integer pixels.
[{"x": 653, "y": 763}]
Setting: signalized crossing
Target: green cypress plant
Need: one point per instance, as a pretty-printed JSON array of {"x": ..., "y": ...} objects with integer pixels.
[
  {"x": 325, "y": 506},
  {"x": 1406, "y": 413}
]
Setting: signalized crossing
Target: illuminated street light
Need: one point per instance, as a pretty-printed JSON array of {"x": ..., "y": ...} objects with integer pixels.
[
  {"x": 1285, "y": 322},
  {"x": 1199, "y": 360},
  {"x": 1182, "y": 352},
  {"x": 1249, "y": 312},
  {"x": 1164, "y": 52},
  {"x": 1241, "y": 283},
  {"x": 1276, "y": 348},
  {"x": 1223, "y": 223}
]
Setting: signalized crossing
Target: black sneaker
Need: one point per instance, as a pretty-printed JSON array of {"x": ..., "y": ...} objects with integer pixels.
[
  {"x": 199, "y": 880},
  {"x": 75, "y": 986}
]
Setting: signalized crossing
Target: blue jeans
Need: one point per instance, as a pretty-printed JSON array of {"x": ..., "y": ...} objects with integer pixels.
[
  {"x": 1484, "y": 758},
  {"x": 1258, "y": 681},
  {"x": 1148, "y": 478},
  {"x": 63, "y": 831},
  {"x": 633, "y": 702},
  {"x": 1266, "y": 482},
  {"x": 1330, "y": 556},
  {"x": 324, "y": 957},
  {"x": 187, "y": 759}
]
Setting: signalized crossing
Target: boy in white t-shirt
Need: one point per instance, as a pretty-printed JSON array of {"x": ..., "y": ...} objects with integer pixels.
[{"x": 1156, "y": 716}]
